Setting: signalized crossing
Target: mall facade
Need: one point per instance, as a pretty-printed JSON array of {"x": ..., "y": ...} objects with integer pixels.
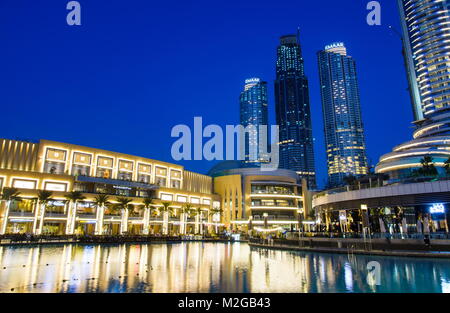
[
  {"x": 61, "y": 168},
  {"x": 239, "y": 199},
  {"x": 260, "y": 201}
]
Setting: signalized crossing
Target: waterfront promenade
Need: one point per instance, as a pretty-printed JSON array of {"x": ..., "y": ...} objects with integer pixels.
[
  {"x": 438, "y": 248},
  {"x": 17, "y": 240}
]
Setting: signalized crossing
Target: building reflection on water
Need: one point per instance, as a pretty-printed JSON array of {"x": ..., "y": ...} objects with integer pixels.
[{"x": 207, "y": 267}]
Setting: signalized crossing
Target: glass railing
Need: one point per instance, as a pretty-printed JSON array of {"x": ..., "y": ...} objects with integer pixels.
[{"x": 391, "y": 182}]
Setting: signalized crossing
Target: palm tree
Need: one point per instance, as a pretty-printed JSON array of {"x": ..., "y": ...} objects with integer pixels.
[
  {"x": 428, "y": 168},
  {"x": 73, "y": 197},
  {"x": 447, "y": 166},
  {"x": 124, "y": 206},
  {"x": 100, "y": 202},
  {"x": 213, "y": 212},
  {"x": 185, "y": 209},
  {"x": 149, "y": 207},
  {"x": 44, "y": 197},
  {"x": 8, "y": 195},
  {"x": 166, "y": 210},
  {"x": 197, "y": 212}
]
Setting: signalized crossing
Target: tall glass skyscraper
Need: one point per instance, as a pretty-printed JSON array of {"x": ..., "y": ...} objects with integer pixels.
[
  {"x": 293, "y": 110},
  {"x": 426, "y": 39},
  {"x": 426, "y": 32},
  {"x": 343, "y": 127},
  {"x": 253, "y": 107}
]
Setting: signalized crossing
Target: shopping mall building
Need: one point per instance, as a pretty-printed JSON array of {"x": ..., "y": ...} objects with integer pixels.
[
  {"x": 229, "y": 201},
  {"x": 61, "y": 168}
]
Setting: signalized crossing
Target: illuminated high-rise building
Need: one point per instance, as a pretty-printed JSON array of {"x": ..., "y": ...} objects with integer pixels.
[
  {"x": 343, "y": 126},
  {"x": 293, "y": 110},
  {"x": 253, "y": 111},
  {"x": 426, "y": 29},
  {"x": 426, "y": 40}
]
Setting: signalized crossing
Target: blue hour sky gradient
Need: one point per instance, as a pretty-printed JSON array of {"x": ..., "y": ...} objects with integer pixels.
[{"x": 136, "y": 68}]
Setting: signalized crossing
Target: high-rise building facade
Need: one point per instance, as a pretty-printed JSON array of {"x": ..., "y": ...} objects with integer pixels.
[
  {"x": 343, "y": 126},
  {"x": 293, "y": 110},
  {"x": 426, "y": 30},
  {"x": 253, "y": 111},
  {"x": 426, "y": 33}
]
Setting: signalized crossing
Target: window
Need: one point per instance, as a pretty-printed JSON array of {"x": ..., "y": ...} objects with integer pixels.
[
  {"x": 174, "y": 183},
  {"x": 82, "y": 158},
  {"x": 125, "y": 175},
  {"x": 55, "y": 186},
  {"x": 54, "y": 167},
  {"x": 160, "y": 171},
  {"x": 207, "y": 201},
  {"x": 105, "y": 162},
  {"x": 125, "y": 166},
  {"x": 144, "y": 178},
  {"x": 24, "y": 184},
  {"x": 160, "y": 181},
  {"x": 104, "y": 172},
  {"x": 182, "y": 199},
  {"x": 166, "y": 197},
  {"x": 81, "y": 170},
  {"x": 175, "y": 174},
  {"x": 56, "y": 155},
  {"x": 195, "y": 200}
]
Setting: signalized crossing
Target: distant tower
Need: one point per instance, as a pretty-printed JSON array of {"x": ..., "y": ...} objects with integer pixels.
[
  {"x": 293, "y": 110},
  {"x": 343, "y": 127},
  {"x": 253, "y": 106}
]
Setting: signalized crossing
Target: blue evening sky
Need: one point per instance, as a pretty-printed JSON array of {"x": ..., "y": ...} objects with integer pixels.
[{"x": 136, "y": 68}]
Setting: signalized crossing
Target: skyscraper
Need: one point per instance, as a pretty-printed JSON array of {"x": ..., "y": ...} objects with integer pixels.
[
  {"x": 253, "y": 108},
  {"x": 343, "y": 127},
  {"x": 426, "y": 34},
  {"x": 293, "y": 110},
  {"x": 425, "y": 25}
]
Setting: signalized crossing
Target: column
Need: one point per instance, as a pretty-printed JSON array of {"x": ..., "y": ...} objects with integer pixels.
[
  {"x": 146, "y": 227},
  {"x": 5, "y": 218},
  {"x": 99, "y": 220},
  {"x": 124, "y": 222}
]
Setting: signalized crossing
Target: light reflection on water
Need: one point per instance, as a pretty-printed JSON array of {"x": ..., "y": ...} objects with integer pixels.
[{"x": 207, "y": 267}]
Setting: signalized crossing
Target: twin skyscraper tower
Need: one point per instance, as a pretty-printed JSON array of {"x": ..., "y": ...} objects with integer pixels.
[{"x": 343, "y": 127}]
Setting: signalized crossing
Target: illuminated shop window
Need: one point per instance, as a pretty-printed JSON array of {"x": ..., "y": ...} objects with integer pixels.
[
  {"x": 55, "y": 186},
  {"x": 24, "y": 184},
  {"x": 160, "y": 181},
  {"x": 166, "y": 197}
]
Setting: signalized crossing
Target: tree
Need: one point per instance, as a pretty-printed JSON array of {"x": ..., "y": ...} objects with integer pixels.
[
  {"x": 447, "y": 166},
  {"x": 125, "y": 207},
  {"x": 428, "y": 168},
  {"x": 185, "y": 209},
  {"x": 213, "y": 212},
  {"x": 8, "y": 195},
  {"x": 123, "y": 203},
  {"x": 166, "y": 210},
  {"x": 73, "y": 198},
  {"x": 44, "y": 197},
  {"x": 197, "y": 212},
  {"x": 100, "y": 202},
  {"x": 148, "y": 203}
]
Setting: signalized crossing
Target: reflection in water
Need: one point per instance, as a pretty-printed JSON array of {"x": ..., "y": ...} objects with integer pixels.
[{"x": 207, "y": 267}]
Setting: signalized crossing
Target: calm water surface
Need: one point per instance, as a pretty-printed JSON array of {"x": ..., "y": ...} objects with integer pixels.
[{"x": 208, "y": 267}]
